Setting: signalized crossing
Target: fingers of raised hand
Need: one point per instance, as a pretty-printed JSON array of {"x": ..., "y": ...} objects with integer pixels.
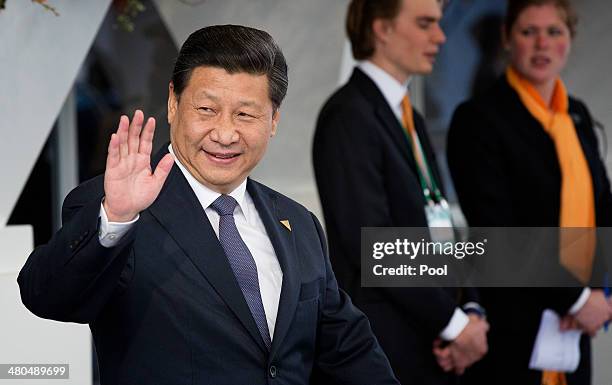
[
  {"x": 122, "y": 135},
  {"x": 146, "y": 138},
  {"x": 163, "y": 169},
  {"x": 133, "y": 142},
  {"x": 131, "y": 137},
  {"x": 114, "y": 146}
]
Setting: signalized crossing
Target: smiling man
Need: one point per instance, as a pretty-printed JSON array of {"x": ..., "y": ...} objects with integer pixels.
[
  {"x": 193, "y": 273},
  {"x": 375, "y": 167},
  {"x": 235, "y": 135}
]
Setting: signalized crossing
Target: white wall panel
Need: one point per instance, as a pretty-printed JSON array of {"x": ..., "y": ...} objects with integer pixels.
[{"x": 40, "y": 55}]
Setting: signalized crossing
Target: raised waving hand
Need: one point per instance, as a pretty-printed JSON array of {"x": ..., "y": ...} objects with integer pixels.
[{"x": 130, "y": 185}]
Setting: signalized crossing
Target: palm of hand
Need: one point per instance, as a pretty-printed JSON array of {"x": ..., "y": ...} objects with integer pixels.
[{"x": 130, "y": 186}]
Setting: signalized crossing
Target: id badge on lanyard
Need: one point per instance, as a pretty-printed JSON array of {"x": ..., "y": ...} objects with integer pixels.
[
  {"x": 439, "y": 221},
  {"x": 437, "y": 211}
]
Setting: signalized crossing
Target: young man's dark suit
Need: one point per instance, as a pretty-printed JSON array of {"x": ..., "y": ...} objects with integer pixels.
[
  {"x": 164, "y": 306},
  {"x": 366, "y": 175},
  {"x": 506, "y": 173}
]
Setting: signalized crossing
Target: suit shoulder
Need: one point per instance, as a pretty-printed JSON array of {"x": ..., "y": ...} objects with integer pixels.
[
  {"x": 281, "y": 200},
  {"x": 346, "y": 100},
  {"x": 499, "y": 94},
  {"x": 346, "y": 117},
  {"x": 573, "y": 99},
  {"x": 486, "y": 100},
  {"x": 583, "y": 120},
  {"x": 498, "y": 103},
  {"x": 466, "y": 114},
  {"x": 577, "y": 106}
]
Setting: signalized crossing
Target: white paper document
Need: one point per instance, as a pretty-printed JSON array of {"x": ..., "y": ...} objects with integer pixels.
[{"x": 555, "y": 349}]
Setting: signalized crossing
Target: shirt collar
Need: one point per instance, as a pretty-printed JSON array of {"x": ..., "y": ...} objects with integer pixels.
[
  {"x": 205, "y": 195},
  {"x": 392, "y": 90}
]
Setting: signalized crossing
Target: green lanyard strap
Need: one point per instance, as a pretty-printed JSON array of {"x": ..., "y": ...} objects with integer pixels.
[{"x": 427, "y": 191}]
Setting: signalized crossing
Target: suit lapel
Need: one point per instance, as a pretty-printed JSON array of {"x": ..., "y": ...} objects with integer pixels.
[
  {"x": 282, "y": 239},
  {"x": 591, "y": 153},
  {"x": 179, "y": 212},
  {"x": 385, "y": 116},
  {"x": 395, "y": 129}
]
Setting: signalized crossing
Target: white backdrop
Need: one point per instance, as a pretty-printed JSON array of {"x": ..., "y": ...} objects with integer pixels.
[{"x": 40, "y": 55}]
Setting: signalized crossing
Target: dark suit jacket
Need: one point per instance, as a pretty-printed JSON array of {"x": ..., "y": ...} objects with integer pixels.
[
  {"x": 366, "y": 175},
  {"x": 164, "y": 306},
  {"x": 506, "y": 173}
]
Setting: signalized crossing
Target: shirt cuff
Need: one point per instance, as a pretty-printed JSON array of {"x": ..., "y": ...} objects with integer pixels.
[
  {"x": 584, "y": 296},
  {"x": 474, "y": 308},
  {"x": 458, "y": 322},
  {"x": 110, "y": 233}
]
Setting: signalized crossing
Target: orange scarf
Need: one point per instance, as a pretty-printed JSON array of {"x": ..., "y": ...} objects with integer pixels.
[
  {"x": 577, "y": 211},
  {"x": 577, "y": 198}
]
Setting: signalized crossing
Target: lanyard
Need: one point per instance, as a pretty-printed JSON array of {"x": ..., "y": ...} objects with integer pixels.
[{"x": 427, "y": 191}]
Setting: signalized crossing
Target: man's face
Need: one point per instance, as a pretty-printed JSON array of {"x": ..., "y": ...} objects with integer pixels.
[
  {"x": 410, "y": 42},
  {"x": 221, "y": 124}
]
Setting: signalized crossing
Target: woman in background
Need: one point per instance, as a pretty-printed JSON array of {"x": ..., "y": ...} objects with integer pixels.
[{"x": 525, "y": 154}]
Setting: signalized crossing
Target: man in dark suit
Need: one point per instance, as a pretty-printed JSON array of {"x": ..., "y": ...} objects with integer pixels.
[
  {"x": 193, "y": 273},
  {"x": 375, "y": 167}
]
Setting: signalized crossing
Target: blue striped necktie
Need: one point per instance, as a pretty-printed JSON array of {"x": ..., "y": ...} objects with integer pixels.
[{"x": 242, "y": 262}]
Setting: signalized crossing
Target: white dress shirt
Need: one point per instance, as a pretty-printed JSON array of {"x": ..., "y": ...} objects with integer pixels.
[
  {"x": 250, "y": 227},
  {"x": 392, "y": 90}
]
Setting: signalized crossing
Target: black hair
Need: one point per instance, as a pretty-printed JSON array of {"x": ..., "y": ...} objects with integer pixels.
[{"x": 234, "y": 48}]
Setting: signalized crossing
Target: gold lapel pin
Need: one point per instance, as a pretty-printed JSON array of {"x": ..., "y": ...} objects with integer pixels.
[{"x": 286, "y": 223}]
